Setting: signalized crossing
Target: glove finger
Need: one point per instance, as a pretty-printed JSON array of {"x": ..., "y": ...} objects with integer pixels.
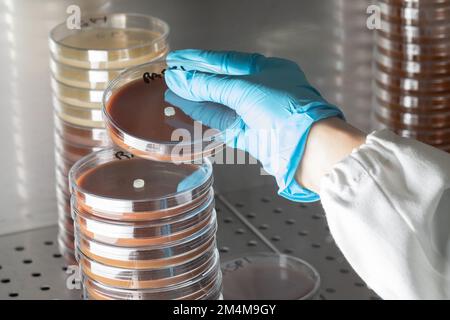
[
  {"x": 210, "y": 114},
  {"x": 199, "y": 86},
  {"x": 222, "y": 62}
]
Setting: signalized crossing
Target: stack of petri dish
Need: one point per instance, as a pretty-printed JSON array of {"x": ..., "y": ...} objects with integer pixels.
[
  {"x": 144, "y": 229},
  {"x": 145, "y": 223},
  {"x": 412, "y": 70},
  {"x": 82, "y": 63}
]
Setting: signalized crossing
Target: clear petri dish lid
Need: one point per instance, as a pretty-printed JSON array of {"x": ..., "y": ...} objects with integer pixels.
[
  {"x": 145, "y": 233},
  {"x": 421, "y": 85},
  {"x": 96, "y": 79},
  {"x": 409, "y": 103},
  {"x": 66, "y": 223},
  {"x": 67, "y": 253},
  {"x": 431, "y": 133},
  {"x": 114, "y": 184},
  {"x": 112, "y": 41},
  {"x": 415, "y": 33},
  {"x": 191, "y": 289},
  {"x": 417, "y": 120},
  {"x": 62, "y": 195},
  {"x": 269, "y": 276},
  {"x": 63, "y": 164},
  {"x": 78, "y": 116},
  {"x": 418, "y": 4},
  {"x": 66, "y": 238},
  {"x": 66, "y": 232},
  {"x": 147, "y": 278},
  {"x": 415, "y": 12},
  {"x": 145, "y": 118},
  {"x": 76, "y": 134},
  {"x": 404, "y": 99},
  {"x": 70, "y": 151},
  {"x": 64, "y": 212},
  {"x": 408, "y": 37},
  {"x": 413, "y": 50},
  {"x": 78, "y": 97},
  {"x": 401, "y": 66},
  {"x": 62, "y": 179},
  {"x": 148, "y": 257},
  {"x": 437, "y": 136}
]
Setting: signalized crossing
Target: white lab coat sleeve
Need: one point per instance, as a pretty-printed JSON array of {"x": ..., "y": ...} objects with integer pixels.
[{"x": 388, "y": 209}]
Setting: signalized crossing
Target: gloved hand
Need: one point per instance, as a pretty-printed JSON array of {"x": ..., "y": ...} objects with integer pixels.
[{"x": 272, "y": 96}]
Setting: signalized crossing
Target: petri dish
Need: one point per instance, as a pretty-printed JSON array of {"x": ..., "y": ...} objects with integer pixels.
[
  {"x": 394, "y": 122},
  {"x": 76, "y": 134},
  {"x": 412, "y": 52},
  {"x": 67, "y": 254},
  {"x": 425, "y": 120},
  {"x": 78, "y": 116},
  {"x": 63, "y": 164},
  {"x": 269, "y": 276},
  {"x": 404, "y": 66},
  {"x": 144, "y": 233},
  {"x": 62, "y": 195},
  {"x": 144, "y": 118},
  {"x": 153, "y": 256},
  {"x": 147, "y": 278},
  {"x": 195, "y": 288},
  {"x": 113, "y": 41},
  {"x": 96, "y": 79},
  {"x": 436, "y": 137},
  {"x": 62, "y": 179},
  {"x": 415, "y": 51},
  {"x": 64, "y": 217},
  {"x": 417, "y": 12},
  {"x": 425, "y": 85},
  {"x": 67, "y": 237},
  {"x": 64, "y": 211},
  {"x": 405, "y": 100},
  {"x": 70, "y": 151},
  {"x": 416, "y": 86},
  {"x": 77, "y": 97},
  {"x": 65, "y": 222},
  {"x": 114, "y": 184},
  {"x": 414, "y": 33}
]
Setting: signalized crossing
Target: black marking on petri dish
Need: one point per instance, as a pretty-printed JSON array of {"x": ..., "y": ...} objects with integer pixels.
[
  {"x": 147, "y": 76},
  {"x": 122, "y": 155}
]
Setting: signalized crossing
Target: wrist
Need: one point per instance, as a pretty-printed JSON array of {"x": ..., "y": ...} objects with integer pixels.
[{"x": 329, "y": 141}]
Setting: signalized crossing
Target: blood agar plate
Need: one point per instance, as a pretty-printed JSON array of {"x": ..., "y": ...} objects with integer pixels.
[{"x": 143, "y": 117}]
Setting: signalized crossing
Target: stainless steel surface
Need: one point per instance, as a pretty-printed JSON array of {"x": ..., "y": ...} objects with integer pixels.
[{"x": 31, "y": 270}]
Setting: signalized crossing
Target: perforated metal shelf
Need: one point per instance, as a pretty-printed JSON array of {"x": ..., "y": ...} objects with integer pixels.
[{"x": 252, "y": 220}]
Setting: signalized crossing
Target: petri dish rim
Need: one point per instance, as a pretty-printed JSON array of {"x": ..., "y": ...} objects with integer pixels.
[
  {"x": 162, "y": 36},
  {"x": 313, "y": 271},
  {"x": 117, "y": 83},
  {"x": 106, "y": 154}
]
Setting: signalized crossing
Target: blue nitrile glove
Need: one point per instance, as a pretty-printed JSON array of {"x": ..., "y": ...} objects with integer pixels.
[{"x": 271, "y": 95}]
